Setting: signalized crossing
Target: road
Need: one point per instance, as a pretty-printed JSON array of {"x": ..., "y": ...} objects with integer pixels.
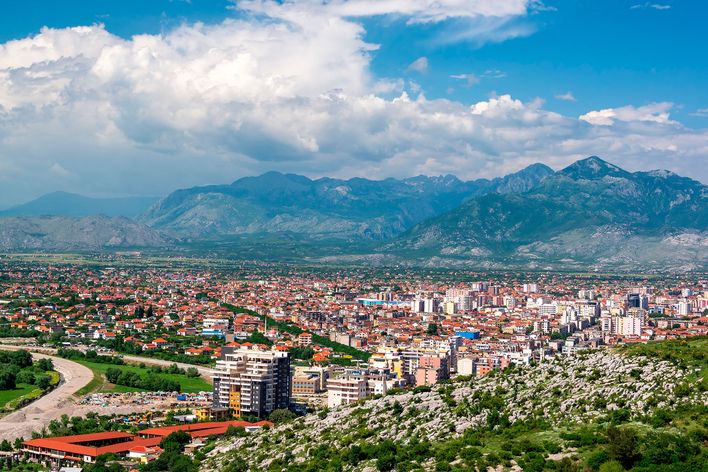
[
  {"x": 51, "y": 406},
  {"x": 61, "y": 400},
  {"x": 205, "y": 372}
]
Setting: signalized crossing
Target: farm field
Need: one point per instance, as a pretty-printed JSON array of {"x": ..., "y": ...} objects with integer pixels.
[{"x": 188, "y": 384}]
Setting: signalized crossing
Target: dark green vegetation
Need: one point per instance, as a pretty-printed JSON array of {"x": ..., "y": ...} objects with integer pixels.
[
  {"x": 316, "y": 338},
  {"x": 130, "y": 377},
  {"x": 173, "y": 458},
  {"x": 22, "y": 379},
  {"x": 393, "y": 433},
  {"x": 143, "y": 382}
]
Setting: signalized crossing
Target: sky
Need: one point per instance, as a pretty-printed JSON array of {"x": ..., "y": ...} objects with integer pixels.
[{"x": 118, "y": 98}]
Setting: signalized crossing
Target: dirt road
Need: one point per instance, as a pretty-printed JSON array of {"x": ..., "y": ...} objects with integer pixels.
[
  {"x": 53, "y": 405},
  {"x": 61, "y": 400},
  {"x": 203, "y": 371}
]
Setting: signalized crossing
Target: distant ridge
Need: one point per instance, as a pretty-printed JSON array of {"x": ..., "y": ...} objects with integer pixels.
[
  {"x": 354, "y": 209},
  {"x": 71, "y": 204},
  {"x": 589, "y": 213},
  {"x": 90, "y": 233}
]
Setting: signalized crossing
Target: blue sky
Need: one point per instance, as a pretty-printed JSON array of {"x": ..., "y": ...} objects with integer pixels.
[{"x": 514, "y": 81}]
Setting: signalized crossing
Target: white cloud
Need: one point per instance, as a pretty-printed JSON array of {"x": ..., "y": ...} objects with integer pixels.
[
  {"x": 567, "y": 96},
  {"x": 645, "y": 5},
  {"x": 419, "y": 65},
  {"x": 655, "y": 112},
  {"x": 474, "y": 79},
  {"x": 416, "y": 11},
  {"x": 493, "y": 74},
  {"x": 58, "y": 170},
  {"x": 84, "y": 110},
  {"x": 470, "y": 79}
]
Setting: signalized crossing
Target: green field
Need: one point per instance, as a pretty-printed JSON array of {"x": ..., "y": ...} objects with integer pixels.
[
  {"x": 188, "y": 384},
  {"x": 9, "y": 395}
]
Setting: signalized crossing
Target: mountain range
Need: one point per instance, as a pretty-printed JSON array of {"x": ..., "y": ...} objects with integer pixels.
[
  {"x": 62, "y": 233},
  {"x": 74, "y": 205},
  {"x": 355, "y": 209},
  {"x": 589, "y": 212},
  {"x": 592, "y": 214}
]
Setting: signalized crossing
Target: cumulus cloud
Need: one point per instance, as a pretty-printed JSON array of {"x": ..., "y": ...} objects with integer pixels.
[
  {"x": 419, "y": 65},
  {"x": 567, "y": 96},
  {"x": 655, "y": 112},
  {"x": 82, "y": 109}
]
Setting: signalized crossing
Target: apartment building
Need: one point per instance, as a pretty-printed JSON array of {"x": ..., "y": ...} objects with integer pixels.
[
  {"x": 345, "y": 391},
  {"x": 252, "y": 382}
]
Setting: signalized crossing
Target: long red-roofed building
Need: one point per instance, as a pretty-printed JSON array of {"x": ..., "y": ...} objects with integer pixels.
[{"x": 87, "y": 447}]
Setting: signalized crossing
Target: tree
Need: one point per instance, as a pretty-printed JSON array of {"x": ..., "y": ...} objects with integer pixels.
[
  {"x": 192, "y": 372},
  {"x": 281, "y": 415},
  {"x": 176, "y": 441},
  {"x": 432, "y": 329},
  {"x": 7, "y": 378},
  {"x": 397, "y": 408},
  {"x": 235, "y": 432},
  {"x": 25, "y": 377},
  {"x": 45, "y": 364},
  {"x": 42, "y": 381},
  {"x": 622, "y": 446}
]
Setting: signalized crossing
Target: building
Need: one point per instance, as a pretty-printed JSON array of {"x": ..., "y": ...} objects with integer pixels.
[
  {"x": 306, "y": 386},
  {"x": 345, "y": 391},
  {"x": 432, "y": 369},
  {"x": 79, "y": 448},
  {"x": 304, "y": 339},
  {"x": 252, "y": 382}
]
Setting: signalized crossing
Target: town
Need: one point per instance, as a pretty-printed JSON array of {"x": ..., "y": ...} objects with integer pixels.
[{"x": 264, "y": 341}]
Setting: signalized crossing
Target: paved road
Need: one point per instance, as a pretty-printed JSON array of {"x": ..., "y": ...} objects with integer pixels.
[{"x": 53, "y": 405}]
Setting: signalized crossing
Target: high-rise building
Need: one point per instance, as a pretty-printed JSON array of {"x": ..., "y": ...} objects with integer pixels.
[
  {"x": 252, "y": 382},
  {"x": 684, "y": 308},
  {"x": 530, "y": 288}
]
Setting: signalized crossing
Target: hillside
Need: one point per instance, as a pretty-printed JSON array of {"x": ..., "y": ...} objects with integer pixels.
[
  {"x": 632, "y": 407},
  {"x": 590, "y": 213},
  {"x": 326, "y": 208},
  {"x": 57, "y": 233},
  {"x": 71, "y": 204}
]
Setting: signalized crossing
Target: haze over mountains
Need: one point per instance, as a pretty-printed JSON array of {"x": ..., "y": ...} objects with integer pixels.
[
  {"x": 590, "y": 214},
  {"x": 324, "y": 208},
  {"x": 71, "y": 204}
]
